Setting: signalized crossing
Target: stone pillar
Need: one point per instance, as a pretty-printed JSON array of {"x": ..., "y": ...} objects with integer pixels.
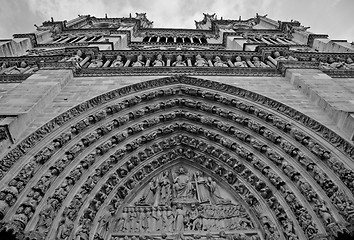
[
  {"x": 148, "y": 60},
  {"x": 189, "y": 61},
  {"x": 82, "y": 63},
  {"x": 106, "y": 63},
  {"x": 168, "y": 62},
  {"x": 228, "y": 59},
  {"x": 248, "y": 61},
  {"x": 127, "y": 62}
]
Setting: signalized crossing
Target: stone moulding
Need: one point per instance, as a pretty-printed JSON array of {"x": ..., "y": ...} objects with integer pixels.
[{"x": 208, "y": 71}]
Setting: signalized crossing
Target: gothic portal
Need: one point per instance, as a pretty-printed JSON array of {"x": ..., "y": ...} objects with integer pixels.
[{"x": 114, "y": 130}]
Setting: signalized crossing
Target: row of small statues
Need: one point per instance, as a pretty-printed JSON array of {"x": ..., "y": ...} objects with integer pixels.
[
  {"x": 338, "y": 63},
  {"x": 22, "y": 68},
  {"x": 99, "y": 61},
  {"x": 181, "y": 218}
]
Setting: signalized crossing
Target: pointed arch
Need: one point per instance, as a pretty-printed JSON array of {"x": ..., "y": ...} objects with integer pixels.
[{"x": 247, "y": 126}]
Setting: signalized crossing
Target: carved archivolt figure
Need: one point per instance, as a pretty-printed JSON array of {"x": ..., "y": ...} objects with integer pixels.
[
  {"x": 139, "y": 62},
  {"x": 179, "y": 62},
  {"x": 200, "y": 62},
  {"x": 118, "y": 62},
  {"x": 158, "y": 62}
]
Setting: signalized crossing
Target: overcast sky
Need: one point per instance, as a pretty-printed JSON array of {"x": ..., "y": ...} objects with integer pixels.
[{"x": 332, "y": 17}]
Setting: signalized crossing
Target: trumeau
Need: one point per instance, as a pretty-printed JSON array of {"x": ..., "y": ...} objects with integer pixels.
[{"x": 175, "y": 155}]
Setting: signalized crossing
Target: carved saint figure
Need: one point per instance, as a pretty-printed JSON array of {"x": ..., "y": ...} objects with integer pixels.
[
  {"x": 219, "y": 63},
  {"x": 165, "y": 188},
  {"x": 139, "y": 62},
  {"x": 179, "y": 62},
  {"x": 182, "y": 185},
  {"x": 149, "y": 194},
  {"x": 202, "y": 188},
  {"x": 118, "y": 62},
  {"x": 214, "y": 193},
  {"x": 200, "y": 62},
  {"x": 158, "y": 62},
  {"x": 179, "y": 218},
  {"x": 239, "y": 63}
]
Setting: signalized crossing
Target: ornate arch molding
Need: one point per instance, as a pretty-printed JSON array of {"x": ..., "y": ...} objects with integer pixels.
[{"x": 248, "y": 126}]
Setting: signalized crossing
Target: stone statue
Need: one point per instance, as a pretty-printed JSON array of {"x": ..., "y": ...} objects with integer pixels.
[
  {"x": 158, "y": 62},
  {"x": 215, "y": 197},
  {"x": 77, "y": 58},
  {"x": 122, "y": 221},
  {"x": 200, "y": 62},
  {"x": 179, "y": 62},
  {"x": 96, "y": 63},
  {"x": 258, "y": 63},
  {"x": 239, "y": 63},
  {"x": 219, "y": 63},
  {"x": 149, "y": 195},
  {"x": 180, "y": 213},
  {"x": 118, "y": 62},
  {"x": 165, "y": 189},
  {"x": 349, "y": 63},
  {"x": 202, "y": 188},
  {"x": 182, "y": 185},
  {"x": 139, "y": 62}
]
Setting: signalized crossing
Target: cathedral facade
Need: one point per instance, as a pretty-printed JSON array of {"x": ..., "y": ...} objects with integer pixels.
[{"x": 112, "y": 129}]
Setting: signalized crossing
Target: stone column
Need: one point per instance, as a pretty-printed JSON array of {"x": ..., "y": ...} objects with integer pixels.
[
  {"x": 168, "y": 62},
  {"x": 127, "y": 62},
  {"x": 106, "y": 63},
  {"x": 148, "y": 60},
  {"x": 189, "y": 61},
  {"x": 228, "y": 59},
  {"x": 209, "y": 57},
  {"x": 248, "y": 61}
]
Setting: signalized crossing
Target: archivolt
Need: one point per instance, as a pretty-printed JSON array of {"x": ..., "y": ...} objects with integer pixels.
[{"x": 257, "y": 142}]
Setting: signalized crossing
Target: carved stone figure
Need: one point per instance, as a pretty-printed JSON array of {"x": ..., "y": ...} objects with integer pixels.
[
  {"x": 139, "y": 62},
  {"x": 219, "y": 63},
  {"x": 22, "y": 68},
  {"x": 96, "y": 63},
  {"x": 200, "y": 62},
  {"x": 179, "y": 62},
  {"x": 165, "y": 189},
  {"x": 179, "y": 221},
  {"x": 158, "y": 62},
  {"x": 149, "y": 195},
  {"x": 118, "y": 62},
  {"x": 182, "y": 185},
  {"x": 239, "y": 63},
  {"x": 77, "y": 58},
  {"x": 258, "y": 63}
]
